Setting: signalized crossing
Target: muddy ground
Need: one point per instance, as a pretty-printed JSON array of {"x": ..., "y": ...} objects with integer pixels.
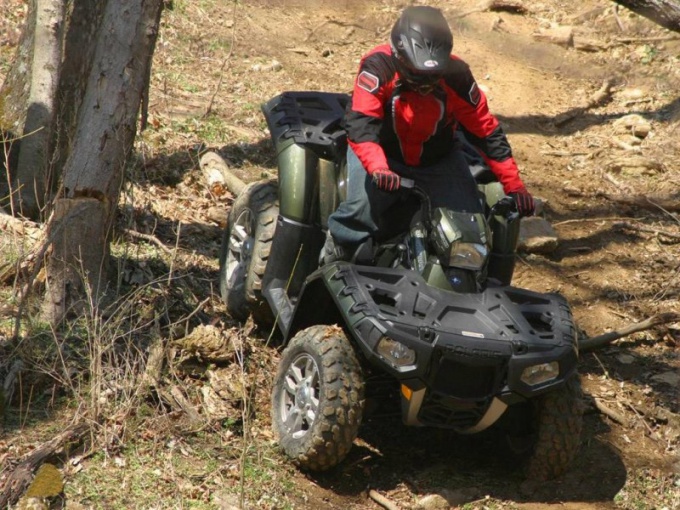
[{"x": 609, "y": 188}]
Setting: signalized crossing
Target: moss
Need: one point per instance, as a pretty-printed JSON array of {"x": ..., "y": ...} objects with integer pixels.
[{"x": 47, "y": 483}]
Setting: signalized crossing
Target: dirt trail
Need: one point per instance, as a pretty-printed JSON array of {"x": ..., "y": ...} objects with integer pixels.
[{"x": 611, "y": 275}]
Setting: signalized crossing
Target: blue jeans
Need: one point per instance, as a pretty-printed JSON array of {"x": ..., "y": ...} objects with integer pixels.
[{"x": 449, "y": 184}]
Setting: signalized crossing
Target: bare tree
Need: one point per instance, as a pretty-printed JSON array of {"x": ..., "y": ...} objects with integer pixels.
[
  {"x": 41, "y": 97},
  {"x": 38, "y": 126},
  {"x": 106, "y": 128},
  {"x": 664, "y": 12}
]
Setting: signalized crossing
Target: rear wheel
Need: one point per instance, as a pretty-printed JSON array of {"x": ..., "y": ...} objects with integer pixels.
[
  {"x": 318, "y": 398},
  {"x": 246, "y": 246}
]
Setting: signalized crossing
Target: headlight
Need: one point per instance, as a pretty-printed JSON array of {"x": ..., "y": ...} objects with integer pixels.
[
  {"x": 395, "y": 352},
  {"x": 468, "y": 255},
  {"x": 538, "y": 374}
]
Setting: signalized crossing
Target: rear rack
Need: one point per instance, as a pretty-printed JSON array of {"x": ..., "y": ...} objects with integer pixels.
[{"x": 311, "y": 119}]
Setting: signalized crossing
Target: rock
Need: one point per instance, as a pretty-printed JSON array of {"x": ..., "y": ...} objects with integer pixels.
[
  {"x": 633, "y": 124},
  {"x": 562, "y": 36},
  {"x": 432, "y": 502},
  {"x": 671, "y": 377},
  {"x": 635, "y": 165},
  {"x": 632, "y": 94},
  {"x": 536, "y": 235},
  {"x": 626, "y": 359},
  {"x": 460, "y": 497},
  {"x": 448, "y": 498}
]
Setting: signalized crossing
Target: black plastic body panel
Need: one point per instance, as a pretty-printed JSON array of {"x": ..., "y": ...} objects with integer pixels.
[
  {"x": 309, "y": 119},
  {"x": 470, "y": 348}
]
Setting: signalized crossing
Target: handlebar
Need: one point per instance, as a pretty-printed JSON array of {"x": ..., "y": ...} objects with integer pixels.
[
  {"x": 407, "y": 183},
  {"x": 505, "y": 207}
]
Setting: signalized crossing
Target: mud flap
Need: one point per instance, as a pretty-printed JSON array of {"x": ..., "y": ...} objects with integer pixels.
[{"x": 294, "y": 255}]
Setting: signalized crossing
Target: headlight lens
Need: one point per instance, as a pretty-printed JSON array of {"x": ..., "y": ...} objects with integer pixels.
[
  {"x": 468, "y": 255},
  {"x": 538, "y": 374},
  {"x": 395, "y": 352}
]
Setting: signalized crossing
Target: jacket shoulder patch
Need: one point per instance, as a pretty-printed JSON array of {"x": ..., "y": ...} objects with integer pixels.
[
  {"x": 474, "y": 94},
  {"x": 367, "y": 81}
]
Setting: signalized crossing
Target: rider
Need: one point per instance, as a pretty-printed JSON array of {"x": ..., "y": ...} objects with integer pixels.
[{"x": 409, "y": 98}]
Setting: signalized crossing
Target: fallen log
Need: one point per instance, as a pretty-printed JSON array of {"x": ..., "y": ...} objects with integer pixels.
[
  {"x": 561, "y": 36},
  {"x": 596, "y": 342},
  {"x": 19, "y": 479},
  {"x": 217, "y": 173}
]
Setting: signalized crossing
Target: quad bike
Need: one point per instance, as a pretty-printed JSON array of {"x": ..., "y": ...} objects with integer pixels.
[{"x": 426, "y": 308}]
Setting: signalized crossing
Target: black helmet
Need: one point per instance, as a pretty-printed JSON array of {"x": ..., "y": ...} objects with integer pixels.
[{"x": 422, "y": 41}]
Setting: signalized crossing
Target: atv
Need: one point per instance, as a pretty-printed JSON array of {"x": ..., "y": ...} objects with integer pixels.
[{"x": 426, "y": 310}]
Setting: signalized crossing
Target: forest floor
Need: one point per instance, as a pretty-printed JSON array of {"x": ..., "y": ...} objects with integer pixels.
[{"x": 610, "y": 187}]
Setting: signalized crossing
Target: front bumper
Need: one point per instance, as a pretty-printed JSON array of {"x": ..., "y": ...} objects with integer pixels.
[{"x": 471, "y": 349}]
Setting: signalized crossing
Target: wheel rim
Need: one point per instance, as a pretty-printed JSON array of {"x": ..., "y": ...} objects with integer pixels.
[
  {"x": 241, "y": 240},
  {"x": 300, "y": 396}
]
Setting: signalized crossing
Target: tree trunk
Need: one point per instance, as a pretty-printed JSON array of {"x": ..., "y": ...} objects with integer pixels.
[
  {"x": 80, "y": 42},
  {"x": 80, "y": 27},
  {"x": 94, "y": 169},
  {"x": 663, "y": 12},
  {"x": 38, "y": 127}
]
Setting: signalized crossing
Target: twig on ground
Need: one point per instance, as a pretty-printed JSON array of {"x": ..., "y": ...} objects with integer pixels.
[
  {"x": 582, "y": 220},
  {"x": 148, "y": 237},
  {"x": 382, "y": 500},
  {"x": 607, "y": 411},
  {"x": 640, "y": 228},
  {"x": 564, "y": 154},
  {"x": 622, "y": 27},
  {"x": 647, "y": 39},
  {"x": 664, "y": 202},
  {"x": 331, "y": 21},
  {"x": 590, "y": 344},
  {"x": 652, "y": 434},
  {"x": 198, "y": 308},
  {"x": 597, "y": 99},
  {"x": 176, "y": 399},
  {"x": 604, "y": 369},
  {"x": 513, "y": 6},
  {"x": 209, "y": 108}
]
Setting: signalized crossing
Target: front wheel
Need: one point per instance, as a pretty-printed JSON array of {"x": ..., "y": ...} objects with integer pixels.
[
  {"x": 547, "y": 431},
  {"x": 559, "y": 419},
  {"x": 318, "y": 398}
]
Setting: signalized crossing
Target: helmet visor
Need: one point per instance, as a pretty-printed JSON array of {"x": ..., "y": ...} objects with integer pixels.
[{"x": 421, "y": 82}]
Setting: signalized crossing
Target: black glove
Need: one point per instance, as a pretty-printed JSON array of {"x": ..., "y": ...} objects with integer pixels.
[
  {"x": 524, "y": 201},
  {"x": 386, "y": 179}
]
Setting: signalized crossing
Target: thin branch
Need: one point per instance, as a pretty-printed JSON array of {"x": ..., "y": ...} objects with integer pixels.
[
  {"x": 607, "y": 411},
  {"x": 640, "y": 228},
  {"x": 147, "y": 237},
  {"x": 382, "y": 500},
  {"x": 209, "y": 108},
  {"x": 596, "y": 342},
  {"x": 582, "y": 220}
]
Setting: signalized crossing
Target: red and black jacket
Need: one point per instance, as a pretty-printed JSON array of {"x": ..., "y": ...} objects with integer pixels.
[{"x": 386, "y": 120}]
